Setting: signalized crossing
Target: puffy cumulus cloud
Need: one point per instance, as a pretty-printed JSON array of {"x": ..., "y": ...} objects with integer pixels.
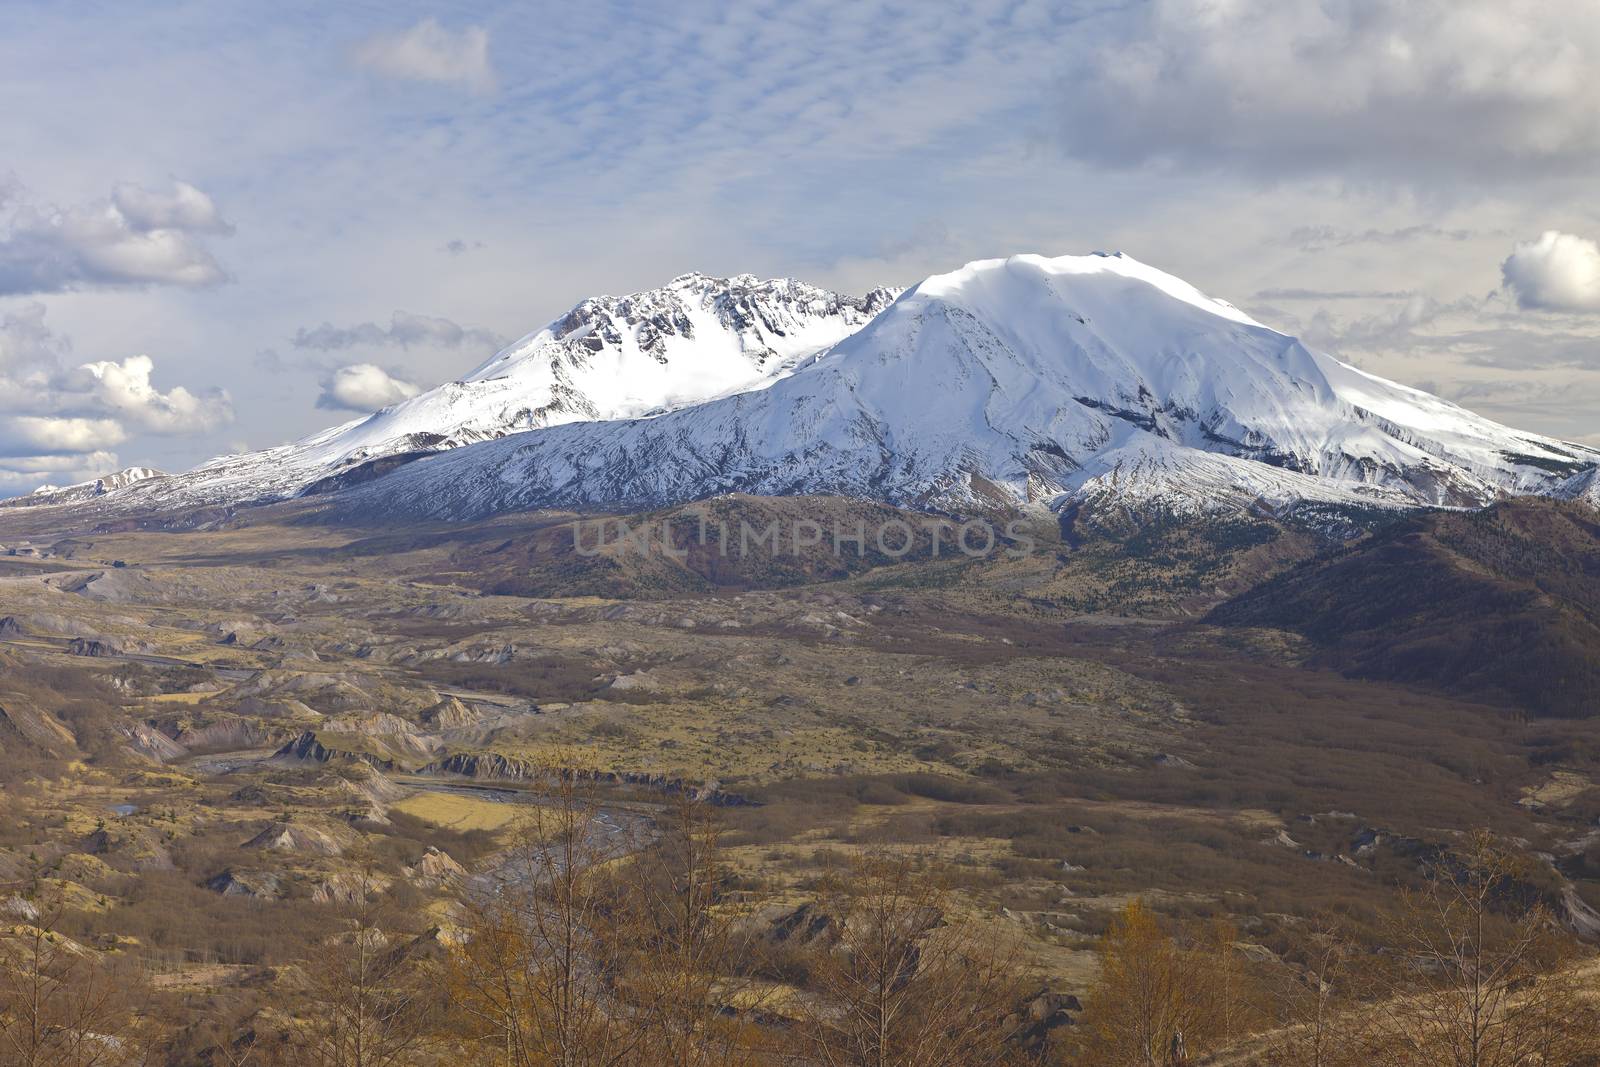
[
  {"x": 124, "y": 390},
  {"x": 430, "y": 52},
  {"x": 1557, "y": 272},
  {"x": 363, "y": 387},
  {"x": 137, "y": 237},
  {"x": 404, "y": 330},
  {"x": 1464, "y": 88},
  {"x": 35, "y": 381},
  {"x": 58, "y": 420}
]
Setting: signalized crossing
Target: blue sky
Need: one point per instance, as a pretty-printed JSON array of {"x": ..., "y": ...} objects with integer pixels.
[{"x": 252, "y": 198}]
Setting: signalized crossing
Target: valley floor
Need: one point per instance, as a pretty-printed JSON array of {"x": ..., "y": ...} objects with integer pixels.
[{"x": 251, "y": 727}]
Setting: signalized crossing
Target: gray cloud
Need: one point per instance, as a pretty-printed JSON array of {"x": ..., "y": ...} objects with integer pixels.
[
  {"x": 136, "y": 238},
  {"x": 1468, "y": 89},
  {"x": 1320, "y": 238},
  {"x": 27, "y": 344},
  {"x": 363, "y": 387},
  {"x": 429, "y": 52},
  {"x": 1393, "y": 328},
  {"x": 182, "y": 208},
  {"x": 23, "y": 473},
  {"x": 1556, "y": 272},
  {"x": 1333, "y": 294},
  {"x": 404, "y": 330}
]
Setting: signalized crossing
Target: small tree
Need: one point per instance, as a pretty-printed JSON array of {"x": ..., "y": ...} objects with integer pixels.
[
  {"x": 1160, "y": 1001},
  {"x": 1315, "y": 1029},
  {"x": 1140, "y": 1004}
]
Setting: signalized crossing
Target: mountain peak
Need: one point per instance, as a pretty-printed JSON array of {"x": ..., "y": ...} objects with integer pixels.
[
  {"x": 1030, "y": 380},
  {"x": 1062, "y": 270},
  {"x": 696, "y": 338},
  {"x": 1020, "y": 381}
]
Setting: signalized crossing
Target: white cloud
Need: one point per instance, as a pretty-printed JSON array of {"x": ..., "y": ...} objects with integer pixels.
[
  {"x": 432, "y": 53},
  {"x": 137, "y": 237},
  {"x": 60, "y": 468},
  {"x": 58, "y": 423},
  {"x": 23, "y": 474},
  {"x": 364, "y": 387},
  {"x": 183, "y": 208},
  {"x": 1557, "y": 272},
  {"x": 32, "y": 435},
  {"x": 404, "y": 330},
  {"x": 124, "y": 390},
  {"x": 33, "y": 382},
  {"x": 1465, "y": 88}
]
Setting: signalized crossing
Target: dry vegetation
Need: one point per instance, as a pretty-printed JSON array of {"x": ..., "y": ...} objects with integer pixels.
[{"x": 287, "y": 794}]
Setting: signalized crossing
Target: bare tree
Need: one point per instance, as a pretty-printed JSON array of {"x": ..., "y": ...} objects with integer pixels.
[
  {"x": 1477, "y": 979},
  {"x": 60, "y": 1005},
  {"x": 535, "y": 974},
  {"x": 689, "y": 953},
  {"x": 368, "y": 1003},
  {"x": 905, "y": 985},
  {"x": 1316, "y": 1027}
]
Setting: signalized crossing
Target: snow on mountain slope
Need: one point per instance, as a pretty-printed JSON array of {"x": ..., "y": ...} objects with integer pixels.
[
  {"x": 1024, "y": 380},
  {"x": 1584, "y": 487},
  {"x": 694, "y": 339}
]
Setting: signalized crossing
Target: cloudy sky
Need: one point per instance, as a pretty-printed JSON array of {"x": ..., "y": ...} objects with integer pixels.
[{"x": 223, "y": 226}]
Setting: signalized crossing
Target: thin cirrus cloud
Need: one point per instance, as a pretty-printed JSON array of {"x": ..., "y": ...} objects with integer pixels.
[
  {"x": 363, "y": 387},
  {"x": 1556, "y": 272},
  {"x": 136, "y": 237},
  {"x": 405, "y": 330},
  {"x": 1409, "y": 91},
  {"x": 429, "y": 52}
]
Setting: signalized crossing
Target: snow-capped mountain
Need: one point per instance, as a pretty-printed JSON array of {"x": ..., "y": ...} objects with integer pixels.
[
  {"x": 1026, "y": 380},
  {"x": 98, "y": 487},
  {"x": 694, "y": 339}
]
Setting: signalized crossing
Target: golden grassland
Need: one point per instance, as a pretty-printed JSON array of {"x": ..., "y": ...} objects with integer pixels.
[{"x": 458, "y": 812}]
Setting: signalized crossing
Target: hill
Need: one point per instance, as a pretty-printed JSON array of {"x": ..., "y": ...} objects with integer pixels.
[{"x": 1503, "y": 604}]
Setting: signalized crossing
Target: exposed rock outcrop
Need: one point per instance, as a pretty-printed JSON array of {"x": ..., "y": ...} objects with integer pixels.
[
  {"x": 436, "y": 870},
  {"x": 260, "y": 885},
  {"x": 302, "y": 838}
]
